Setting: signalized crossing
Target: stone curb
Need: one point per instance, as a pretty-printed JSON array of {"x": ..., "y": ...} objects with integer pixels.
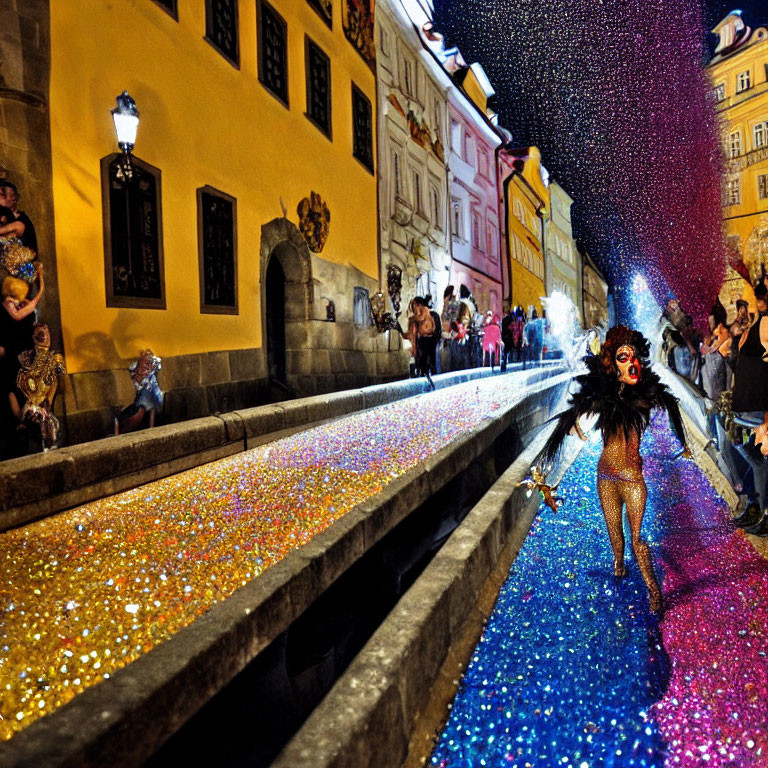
[
  {"x": 368, "y": 717},
  {"x": 36, "y": 486},
  {"x": 122, "y": 721}
]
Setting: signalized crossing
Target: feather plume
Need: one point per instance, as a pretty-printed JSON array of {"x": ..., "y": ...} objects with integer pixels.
[{"x": 618, "y": 407}]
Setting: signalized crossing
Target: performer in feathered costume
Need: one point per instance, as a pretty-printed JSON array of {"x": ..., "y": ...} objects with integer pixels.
[{"x": 621, "y": 390}]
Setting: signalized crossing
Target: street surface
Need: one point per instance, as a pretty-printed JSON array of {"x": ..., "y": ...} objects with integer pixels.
[
  {"x": 572, "y": 669},
  {"x": 87, "y": 591}
]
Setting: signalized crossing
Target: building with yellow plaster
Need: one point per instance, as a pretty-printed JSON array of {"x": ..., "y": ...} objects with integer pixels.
[
  {"x": 526, "y": 199},
  {"x": 251, "y": 220},
  {"x": 739, "y": 75}
]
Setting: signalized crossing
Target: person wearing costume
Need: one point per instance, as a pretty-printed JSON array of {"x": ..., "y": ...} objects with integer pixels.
[
  {"x": 621, "y": 390},
  {"x": 149, "y": 398}
]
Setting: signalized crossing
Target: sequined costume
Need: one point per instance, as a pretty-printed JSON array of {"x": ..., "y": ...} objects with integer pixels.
[
  {"x": 621, "y": 390},
  {"x": 38, "y": 380}
]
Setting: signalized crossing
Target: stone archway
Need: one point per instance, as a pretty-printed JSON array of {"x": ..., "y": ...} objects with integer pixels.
[{"x": 286, "y": 297}]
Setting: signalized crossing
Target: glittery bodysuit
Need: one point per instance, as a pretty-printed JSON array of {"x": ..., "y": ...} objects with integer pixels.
[
  {"x": 620, "y": 389},
  {"x": 620, "y": 482}
]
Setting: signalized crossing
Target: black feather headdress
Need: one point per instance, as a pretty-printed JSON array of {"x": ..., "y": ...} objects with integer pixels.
[{"x": 618, "y": 407}]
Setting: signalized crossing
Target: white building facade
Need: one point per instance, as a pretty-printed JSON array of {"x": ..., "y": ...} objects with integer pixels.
[{"x": 413, "y": 169}]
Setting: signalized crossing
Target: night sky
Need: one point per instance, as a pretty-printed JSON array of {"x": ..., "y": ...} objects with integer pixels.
[{"x": 613, "y": 93}]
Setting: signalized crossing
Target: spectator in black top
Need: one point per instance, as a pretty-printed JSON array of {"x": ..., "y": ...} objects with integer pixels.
[
  {"x": 9, "y": 197},
  {"x": 9, "y": 227}
]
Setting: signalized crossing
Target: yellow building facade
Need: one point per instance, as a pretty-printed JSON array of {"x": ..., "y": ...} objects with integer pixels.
[
  {"x": 739, "y": 75},
  {"x": 263, "y": 112},
  {"x": 526, "y": 206}
]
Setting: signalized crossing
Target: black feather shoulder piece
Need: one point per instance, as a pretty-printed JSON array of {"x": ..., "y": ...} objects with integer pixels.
[{"x": 618, "y": 407}]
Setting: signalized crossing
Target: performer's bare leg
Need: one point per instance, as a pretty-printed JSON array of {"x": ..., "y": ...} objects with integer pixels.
[
  {"x": 634, "y": 494},
  {"x": 611, "y": 502}
]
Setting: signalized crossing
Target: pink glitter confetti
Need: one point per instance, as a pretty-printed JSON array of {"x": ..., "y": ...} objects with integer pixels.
[{"x": 715, "y": 710}]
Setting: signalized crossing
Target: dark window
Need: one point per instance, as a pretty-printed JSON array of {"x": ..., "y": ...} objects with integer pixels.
[
  {"x": 133, "y": 238},
  {"x": 361, "y": 308},
  {"x": 318, "y": 87},
  {"x": 362, "y": 128},
  {"x": 170, "y": 6},
  {"x": 273, "y": 51},
  {"x": 325, "y": 9},
  {"x": 221, "y": 27},
  {"x": 217, "y": 249}
]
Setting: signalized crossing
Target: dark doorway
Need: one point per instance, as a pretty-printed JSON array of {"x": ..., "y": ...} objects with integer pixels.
[{"x": 276, "y": 320}]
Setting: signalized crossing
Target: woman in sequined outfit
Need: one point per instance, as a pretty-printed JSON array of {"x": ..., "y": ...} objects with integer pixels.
[{"x": 621, "y": 390}]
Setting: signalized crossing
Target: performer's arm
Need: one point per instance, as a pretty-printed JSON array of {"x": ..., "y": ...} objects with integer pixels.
[
  {"x": 669, "y": 402},
  {"x": 566, "y": 421}
]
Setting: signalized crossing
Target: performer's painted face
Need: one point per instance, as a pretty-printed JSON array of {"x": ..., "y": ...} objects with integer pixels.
[{"x": 628, "y": 365}]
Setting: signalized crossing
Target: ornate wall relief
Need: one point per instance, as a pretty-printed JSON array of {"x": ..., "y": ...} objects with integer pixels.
[
  {"x": 357, "y": 19},
  {"x": 314, "y": 221}
]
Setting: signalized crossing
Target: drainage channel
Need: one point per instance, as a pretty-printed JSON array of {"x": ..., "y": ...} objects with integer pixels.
[{"x": 263, "y": 707}]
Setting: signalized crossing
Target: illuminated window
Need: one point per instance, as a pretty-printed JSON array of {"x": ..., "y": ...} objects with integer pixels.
[
  {"x": 221, "y": 28},
  {"x": 743, "y": 81},
  {"x": 734, "y": 144},
  {"x": 719, "y": 92},
  {"x": 733, "y": 192},
  {"x": 761, "y": 135}
]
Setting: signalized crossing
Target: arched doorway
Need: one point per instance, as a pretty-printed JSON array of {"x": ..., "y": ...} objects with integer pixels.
[
  {"x": 286, "y": 304},
  {"x": 275, "y": 290}
]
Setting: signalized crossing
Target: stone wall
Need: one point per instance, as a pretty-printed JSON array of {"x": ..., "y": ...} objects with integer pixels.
[
  {"x": 25, "y": 146},
  {"x": 321, "y": 356},
  {"x": 195, "y": 386}
]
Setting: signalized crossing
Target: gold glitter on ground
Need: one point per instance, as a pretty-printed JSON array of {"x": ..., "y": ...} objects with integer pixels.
[{"x": 87, "y": 591}]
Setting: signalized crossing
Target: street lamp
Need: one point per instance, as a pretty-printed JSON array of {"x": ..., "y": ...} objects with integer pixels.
[{"x": 126, "y": 119}]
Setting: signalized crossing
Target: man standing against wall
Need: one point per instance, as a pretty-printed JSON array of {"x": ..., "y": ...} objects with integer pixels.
[{"x": 9, "y": 197}]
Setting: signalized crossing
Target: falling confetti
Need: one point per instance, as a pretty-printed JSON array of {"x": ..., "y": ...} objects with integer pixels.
[{"x": 615, "y": 94}]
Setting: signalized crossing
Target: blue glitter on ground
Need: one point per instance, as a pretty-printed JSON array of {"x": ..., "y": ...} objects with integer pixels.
[{"x": 571, "y": 660}]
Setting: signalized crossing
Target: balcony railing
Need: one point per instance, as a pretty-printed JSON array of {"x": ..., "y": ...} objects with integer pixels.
[{"x": 741, "y": 162}]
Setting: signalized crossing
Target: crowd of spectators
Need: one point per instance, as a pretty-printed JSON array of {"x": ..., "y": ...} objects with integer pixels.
[
  {"x": 23, "y": 285},
  {"x": 728, "y": 366}
]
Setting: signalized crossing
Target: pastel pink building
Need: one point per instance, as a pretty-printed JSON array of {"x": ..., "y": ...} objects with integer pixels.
[{"x": 475, "y": 227}]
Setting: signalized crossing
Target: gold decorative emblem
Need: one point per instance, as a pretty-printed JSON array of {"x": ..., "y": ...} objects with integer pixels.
[
  {"x": 357, "y": 20},
  {"x": 314, "y": 221}
]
